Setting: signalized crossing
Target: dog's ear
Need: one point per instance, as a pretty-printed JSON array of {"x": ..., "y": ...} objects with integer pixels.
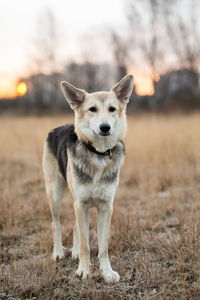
[
  {"x": 74, "y": 96},
  {"x": 124, "y": 88}
]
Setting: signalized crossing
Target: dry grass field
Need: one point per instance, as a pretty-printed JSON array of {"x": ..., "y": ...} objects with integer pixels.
[{"x": 155, "y": 232}]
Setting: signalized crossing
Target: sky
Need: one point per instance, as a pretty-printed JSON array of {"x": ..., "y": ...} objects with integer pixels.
[
  {"x": 18, "y": 21},
  {"x": 75, "y": 19}
]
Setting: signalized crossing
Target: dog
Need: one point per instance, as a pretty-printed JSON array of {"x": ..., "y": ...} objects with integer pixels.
[{"x": 86, "y": 156}]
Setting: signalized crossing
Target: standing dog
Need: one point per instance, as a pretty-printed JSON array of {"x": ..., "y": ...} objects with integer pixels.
[{"x": 88, "y": 156}]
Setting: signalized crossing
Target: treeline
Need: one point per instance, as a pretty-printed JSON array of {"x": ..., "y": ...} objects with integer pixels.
[{"x": 175, "y": 90}]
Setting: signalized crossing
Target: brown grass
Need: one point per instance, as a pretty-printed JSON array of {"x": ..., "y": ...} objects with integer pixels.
[{"x": 155, "y": 232}]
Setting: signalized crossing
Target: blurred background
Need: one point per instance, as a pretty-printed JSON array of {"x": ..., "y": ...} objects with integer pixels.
[
  {"x": 155, "y": 232},
  {"x": 93, "y": 44}
]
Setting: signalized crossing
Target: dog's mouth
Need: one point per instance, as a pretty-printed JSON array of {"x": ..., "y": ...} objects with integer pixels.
[{"x": 102, "y": 134}]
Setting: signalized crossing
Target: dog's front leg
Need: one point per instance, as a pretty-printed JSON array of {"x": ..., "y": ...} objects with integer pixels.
[
  {"x": 81, "y": 212},
  {"x": 104, "y": 219}
]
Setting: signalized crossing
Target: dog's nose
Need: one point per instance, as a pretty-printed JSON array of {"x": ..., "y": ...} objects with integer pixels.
[{"x": 105, "y": 128}]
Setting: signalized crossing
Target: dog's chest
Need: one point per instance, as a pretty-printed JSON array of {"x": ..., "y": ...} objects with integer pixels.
[
  {"x": 95, "y": 178},
  {"x": 97, "y": 188},
  {"x": 99, "y": 168}
]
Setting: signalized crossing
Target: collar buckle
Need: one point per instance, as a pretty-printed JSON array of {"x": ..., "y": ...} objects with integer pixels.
[{"x": 110, "y": 153}]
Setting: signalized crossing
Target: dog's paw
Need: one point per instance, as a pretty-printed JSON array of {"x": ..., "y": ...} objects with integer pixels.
[
  {"x": 83, "y": 272},
  {"x": 75, "y": 254},
  {"x": 110, "y": 276},
  {"x": 57, "y": 254}
]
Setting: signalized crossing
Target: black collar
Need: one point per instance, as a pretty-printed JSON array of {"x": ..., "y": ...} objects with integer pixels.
[{"x": 106, "y": 153}]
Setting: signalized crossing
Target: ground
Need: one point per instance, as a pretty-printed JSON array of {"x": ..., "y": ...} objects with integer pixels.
[{"x": 155, "y": 232}]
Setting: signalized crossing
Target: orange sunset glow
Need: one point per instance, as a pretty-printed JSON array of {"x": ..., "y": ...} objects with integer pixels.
[
  {"x": 21, "y": 89},
  {"x": 10, "y": 88},
  {"x": 143, "y": 85},
  {"x": 7, "y": 87}
]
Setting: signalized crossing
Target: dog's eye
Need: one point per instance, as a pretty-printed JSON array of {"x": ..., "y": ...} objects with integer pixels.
[
  {"x": 112, "y": 109},
  {"x": 93, "y": 109}
]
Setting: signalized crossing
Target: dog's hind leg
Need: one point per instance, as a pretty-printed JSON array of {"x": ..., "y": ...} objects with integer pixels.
[
  {"x": 76, "y": 244},
  {"x": 55, "y": 192},
  {"x": 55, "y": 186}
]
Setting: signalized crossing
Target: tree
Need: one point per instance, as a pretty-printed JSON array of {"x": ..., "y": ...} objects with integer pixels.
[
  {"x": 145, "y": 30},
  {"x": 120, "y": 52},
  {"x": 44, "y": 61},
  {"x": 46, "y": 43},
  {"x": 183, "y": 30}
]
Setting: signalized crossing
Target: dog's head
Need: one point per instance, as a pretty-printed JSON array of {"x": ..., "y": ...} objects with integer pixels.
[{"x": 100, "y": 117}]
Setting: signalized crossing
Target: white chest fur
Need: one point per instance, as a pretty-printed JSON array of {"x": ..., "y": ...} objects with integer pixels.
[{"x": 100, "y": 187}]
